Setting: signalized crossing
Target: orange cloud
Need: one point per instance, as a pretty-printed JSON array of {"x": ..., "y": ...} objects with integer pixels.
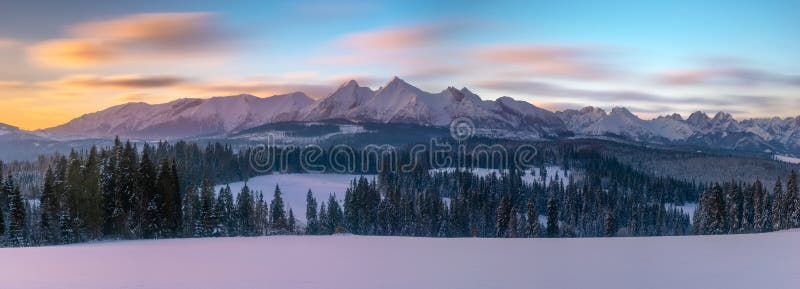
[
  {"x": 73, "y": 52},
  {"x": 138, "y": 37},
  {"x": 400, "y": 37},
  {"x": 258, "y": 88},
  {"x": 555, "y": 61},
  {"x": 117, "y": 82},
  {"x": 7, "y": 42},
  {"x": 10, "y": 83}
]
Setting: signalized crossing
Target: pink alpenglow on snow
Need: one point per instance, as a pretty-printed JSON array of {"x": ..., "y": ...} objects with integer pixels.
[{"x": 356, "y": 262}]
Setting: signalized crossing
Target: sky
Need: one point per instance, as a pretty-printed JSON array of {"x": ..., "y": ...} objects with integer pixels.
[{"x": 62, "y": 59}]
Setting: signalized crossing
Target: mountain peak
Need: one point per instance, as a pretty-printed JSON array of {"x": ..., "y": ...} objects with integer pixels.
[
  {"x": 593, "y": 110},
  {"x": 349, "y": 83},
  {"x": 396, "y": 81},
  {"x": 697, "y": 116},
  {"x": 722, "y": 116},
  {"x": 621, "y": 111}
]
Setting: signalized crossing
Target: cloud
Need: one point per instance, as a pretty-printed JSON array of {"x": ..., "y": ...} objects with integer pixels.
[
  {"x": 550, "y": 61},
  {"x": 730, "y": 76},
  {"x": 542, "y": 88},
  {"x": 137, "y": 37},
  {"x": 402, "y": 37},
  {"x": 7, "y": 42},
  {"x": 10, "y": 83},
  {"x": 258, "y": 88},
  {"x": 606, "y": 96},
  {"x": 116, "y": 82},
  {"x": 74, "y": 52}
]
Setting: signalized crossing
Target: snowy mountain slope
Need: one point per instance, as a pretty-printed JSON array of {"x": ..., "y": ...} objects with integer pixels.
[
  {"x": 13, "y": 133},
  {"x": 743, "y": 261},
  {"x": 186, "y": 117},
  {"x": 621, "y": 122},
  {"x": 398, "y": 102},
  {"x": 336, "y": 105},
  {"x": 720, "y": 131}
]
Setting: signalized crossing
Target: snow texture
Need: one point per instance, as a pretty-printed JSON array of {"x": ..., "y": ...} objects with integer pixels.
[
  {"x": 787, "y": 159},
  {"x": 354, "y": 262}
]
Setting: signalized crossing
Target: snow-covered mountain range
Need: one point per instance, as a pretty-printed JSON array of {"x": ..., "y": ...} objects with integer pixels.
[{"x": 402, "y": 103}]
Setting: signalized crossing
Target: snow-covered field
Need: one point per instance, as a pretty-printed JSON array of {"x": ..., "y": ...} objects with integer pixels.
[
  {"x": 769, "y": 260},
  {"x": 295, "y": 186}
]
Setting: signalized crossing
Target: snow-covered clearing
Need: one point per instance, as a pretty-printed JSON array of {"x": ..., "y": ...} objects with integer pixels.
[
  {"x": 530, "y": 176},
  {"x": 295, "y": 186},
  {"x": 687, "y": 208},
  {"x": 353, "y": 262},
  {"x": 787, "y": 159}
]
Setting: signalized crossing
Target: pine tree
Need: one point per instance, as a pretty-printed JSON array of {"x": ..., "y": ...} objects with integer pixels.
[
  {"x": 503, "y": 217},
  {"x": 224, "y": 212},
  {"x": 312, "y": 224},
  {"x": 335, "y": 215},
  {"x": 147, "y": 209},
  {"x": 610, "y": 225},
  {"x": 552, "y": 217},
  {"x": 191, "y": 213},
  {"x": 169, "y": 188},
  {"x": 16, "y": 218},
  {"x": 245, "y": 212},
  {"x": 793, "y": 200},
  {"x": 718, "y": 217},
  {"x": 278, "y": 213},
  {"x": 2, "y": 225},
  {"x": 778, "y": 211},
  {"x": 323, "y": 220},
  {"x": 291, "y": 223},
  {"x": 261, "y": 215},
  {"x": 48, "y": 207},
  {"x": 91, "y": 200},
  {"x": 533, "y": 228},
  {"x": 207, "y": 218},
  {"x": 512, "y": 229}
]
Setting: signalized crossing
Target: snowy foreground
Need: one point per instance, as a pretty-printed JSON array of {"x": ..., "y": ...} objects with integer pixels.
[{"x": 769, "y": 260}]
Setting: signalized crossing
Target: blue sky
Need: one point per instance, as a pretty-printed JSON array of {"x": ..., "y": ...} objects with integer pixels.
[{"x": 653, "y": 57}]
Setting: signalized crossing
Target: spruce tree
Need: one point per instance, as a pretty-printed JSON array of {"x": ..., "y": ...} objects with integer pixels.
[
  {"x": 533, "y": 228},
  {"x": 312, "y": 223},
  {"x": 207, "y": 218},
  {"x": 718, "y": 217},
  {"x": 278, "y": 213},
  {"x": 552, "y": 217},
  {"x": 291, "y": 223},
  {"x": 261, "y": 215},
  {"x": 512, "y": 228},
  {"x": 610, "y": 225},
  {"x": 323, "y": 220},
  {"x": 778, "y": 210},
  {"x": 224, "y": 213},
  {"x": 169, "y": 188},
  {"x": 335, "y": 215},
  {"x": 503, "y": 217},
  {"x": 48, "y": 208},
  {"x": 91, "y": 201},
  {"x": 16, "y": 218},
  {"x": 792, "y": 200},
  {"x": 246, "y": 212}
]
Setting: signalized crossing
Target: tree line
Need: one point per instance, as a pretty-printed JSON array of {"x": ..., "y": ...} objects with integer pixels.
[{"x": 739, "y": 207}]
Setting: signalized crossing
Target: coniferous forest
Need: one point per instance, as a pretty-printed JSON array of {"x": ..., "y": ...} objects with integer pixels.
[{"x": 164, "y": 190}]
